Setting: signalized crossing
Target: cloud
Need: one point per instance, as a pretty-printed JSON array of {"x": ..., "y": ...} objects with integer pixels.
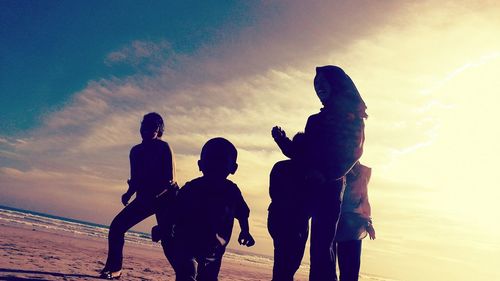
[
  {"x": 245, "y": 82},
  {"x": 239, "y": 88},
  {"x": 456, "y": 72},
  {"x": 141, "y": 53}
]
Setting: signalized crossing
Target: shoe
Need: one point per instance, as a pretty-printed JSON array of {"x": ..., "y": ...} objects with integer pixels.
[{"x": 110, "y": 275}]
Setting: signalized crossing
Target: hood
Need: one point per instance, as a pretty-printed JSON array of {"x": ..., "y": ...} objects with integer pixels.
[{"x": 343, "y": 89}]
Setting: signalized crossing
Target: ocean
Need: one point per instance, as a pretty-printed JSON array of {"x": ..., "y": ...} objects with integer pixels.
[{"x": 57, "y": 223}]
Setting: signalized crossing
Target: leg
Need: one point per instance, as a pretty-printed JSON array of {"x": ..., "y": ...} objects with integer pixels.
[
  {"x": 131, "y": 215},
  {"x": 323, "y": 228},
  {"x": 183, "y": 263},
  {"x": 288, "y": 254},
  {"x": 209, "y": 266},
  {"x": 164, "y": 215},
  {"x": 289, "y": 239},
  {"x": 349, "y": 254},
  {"x": 335, "y": 256}
]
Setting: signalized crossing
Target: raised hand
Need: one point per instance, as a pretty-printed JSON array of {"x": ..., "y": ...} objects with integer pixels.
[{"x": 277, "y": 132}]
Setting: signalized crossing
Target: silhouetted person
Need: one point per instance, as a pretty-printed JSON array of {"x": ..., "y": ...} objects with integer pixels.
[
  {"x": 355, "y": 222},
  {"x": 205, "y": 209},
  {"x": 288, "y": 218},
  {"x": 152, "y": 179},
  {"x": 334, "y": 143}
]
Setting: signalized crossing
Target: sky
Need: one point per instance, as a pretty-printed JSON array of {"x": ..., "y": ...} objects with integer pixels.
[{"x": 76, "y": 79}]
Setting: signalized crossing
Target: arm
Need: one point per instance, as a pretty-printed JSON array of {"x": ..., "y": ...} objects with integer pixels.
[
  {"x": 366, "y": 209},
  {"x": 169, "y": 167},
  {"x": 128, "y": 194},
  {"x": 283, "y": 142},
  {"x": 245, "y": 237},
  {"x": 242, "y": 212},
  {"x": 366, "y": 173},
  {"x": 132, "y": 187},
  {"x": 371, "y": 230}
]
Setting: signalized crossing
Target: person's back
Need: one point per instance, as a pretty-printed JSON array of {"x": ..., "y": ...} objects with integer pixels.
[
  {"x": 205, "y": 211},
  {"x": 334, "y": 142},
  {"x": 288, "y": 216},
  {"x": 151, "y": 167},
  {"x": 286, "y": 187}
]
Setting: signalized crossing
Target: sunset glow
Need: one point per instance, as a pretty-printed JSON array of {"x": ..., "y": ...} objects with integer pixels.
[{"x": 429, "y": 73}]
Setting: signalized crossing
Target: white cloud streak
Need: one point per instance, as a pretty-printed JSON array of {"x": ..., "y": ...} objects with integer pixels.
[{"x": 244, "y": 84}]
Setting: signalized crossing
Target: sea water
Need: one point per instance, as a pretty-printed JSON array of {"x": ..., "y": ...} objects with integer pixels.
[{"x": 56, "y": 223}]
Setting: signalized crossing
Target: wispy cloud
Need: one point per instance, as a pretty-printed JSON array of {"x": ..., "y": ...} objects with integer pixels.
[
  {"x": 141, "y": 53},
  {"x": 248, "y": 81},
  {"x": 238, "y": 87},
  {"x": 456, "y": 72}
]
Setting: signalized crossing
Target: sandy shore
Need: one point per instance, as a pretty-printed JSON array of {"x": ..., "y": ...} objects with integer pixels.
[{"x": 35, "y": 253}]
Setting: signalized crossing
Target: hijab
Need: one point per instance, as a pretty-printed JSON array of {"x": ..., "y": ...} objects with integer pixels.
[{"x": 344, "y": 95}]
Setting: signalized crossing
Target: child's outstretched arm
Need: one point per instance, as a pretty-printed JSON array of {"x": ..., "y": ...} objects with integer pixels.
[
  {"x": 242, "y": 212},
  {"x": 245, "y": 237}
]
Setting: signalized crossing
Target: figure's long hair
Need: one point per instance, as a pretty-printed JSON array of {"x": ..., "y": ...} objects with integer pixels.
[
  {"x": 343, "y": 86},
  {"x": 154, "y": 120}
]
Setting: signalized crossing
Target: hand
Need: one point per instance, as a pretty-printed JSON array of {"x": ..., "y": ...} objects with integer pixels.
[
  {"x": 155, "y": 233},
  {"x": 125, "y": 198},
  {"x": 371, "y": 232},
  {"x": 246, "y": 239},
  {"x": 277, "y": 132}
]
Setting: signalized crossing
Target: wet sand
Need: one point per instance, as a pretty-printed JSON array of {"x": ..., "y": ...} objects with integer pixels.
[{"x": 36, "y": 253}]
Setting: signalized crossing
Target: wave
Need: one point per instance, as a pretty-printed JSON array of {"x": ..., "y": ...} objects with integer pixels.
[{"x": 55, "y": 223}]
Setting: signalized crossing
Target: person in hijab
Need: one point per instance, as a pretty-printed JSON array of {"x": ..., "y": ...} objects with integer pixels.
[{"x": 334, "y": 143}]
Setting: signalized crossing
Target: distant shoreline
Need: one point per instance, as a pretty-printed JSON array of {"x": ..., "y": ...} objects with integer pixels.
[
  {"x": 36, "y": 247},
  {"x": 54, "y": 216},
  {"x": 144, "y": 235},
  {"x": 50, "y": 242}
]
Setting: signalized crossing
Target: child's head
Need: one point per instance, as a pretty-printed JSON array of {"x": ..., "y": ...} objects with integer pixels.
[
  {"x": 152, "y": 126},
  {"x": 299, "y": 146},
  {"x": 218, "y": 158}
]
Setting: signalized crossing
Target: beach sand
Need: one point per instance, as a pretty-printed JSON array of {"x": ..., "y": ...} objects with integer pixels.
[{"x": 37, "y": 253}]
